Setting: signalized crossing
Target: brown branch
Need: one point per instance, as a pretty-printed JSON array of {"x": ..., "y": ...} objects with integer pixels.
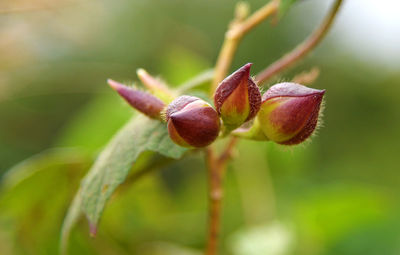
[
  {"x": 217, "y": 165},
  {"x": 255, "y": 19},
  {"x": 216, "y": 171},
  {"x": 238, "y": 29},
  {"x": 301, "y": 50}
]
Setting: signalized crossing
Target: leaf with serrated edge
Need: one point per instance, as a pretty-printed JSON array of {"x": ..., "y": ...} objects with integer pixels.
[{"x": 113, "y": 164}]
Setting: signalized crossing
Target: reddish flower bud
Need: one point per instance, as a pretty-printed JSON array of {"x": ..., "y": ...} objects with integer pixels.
[
  {"x": 289, "y": 112},
  {"x": 237, "y": 98},
  {"x": 142, "y": 101},
  {"x": 192, "y": 122}
]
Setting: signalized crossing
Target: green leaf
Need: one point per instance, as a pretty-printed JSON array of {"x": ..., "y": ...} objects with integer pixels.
[
  {"x": 42, "y": 181},
  {"x": 285, "y": 6},
  {"x": 70, "y": 220},
  {"x": 113, "y": 164}
]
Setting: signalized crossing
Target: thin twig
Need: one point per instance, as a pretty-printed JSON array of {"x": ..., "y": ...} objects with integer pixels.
[
  {"x": 255, "y": 19},
  {"x": 215, "y": 197},
  {"x": 301, "y": 50},
  {"x": 216, "y": 172},
  {"x": 238, "y": 29}
]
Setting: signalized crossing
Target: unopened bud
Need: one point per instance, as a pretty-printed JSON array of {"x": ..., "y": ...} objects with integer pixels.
[
  {"x": 237, "y": 98},
  {"x": 289, "y": 112},
  {"x": 192, "y": 122},
  {"x": 140, "y": 100}
]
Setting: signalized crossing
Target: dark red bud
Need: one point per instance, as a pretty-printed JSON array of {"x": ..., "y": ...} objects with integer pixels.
[
  {"x": 289, "y": 112},
  {"x": 142, "y": 101},
  {"x": 192, "y": 122},
  {"x": 237, "y": 98}
]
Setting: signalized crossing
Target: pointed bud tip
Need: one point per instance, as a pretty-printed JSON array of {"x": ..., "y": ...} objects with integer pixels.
[
  {"x": 245, "y": 69},
  {"x": 237, "y": 98},
  {"x": 248, "y": 65},
  {"x": 92, "y": 229},
  {"x": 140, "y": 100},
  {"x": 114, "y": 84},
  {"x": 141, "y": 72},
  {"x": 319, "y": 94}
]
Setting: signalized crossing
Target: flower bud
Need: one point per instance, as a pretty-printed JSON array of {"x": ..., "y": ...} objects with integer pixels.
[
  {"x": 237, "y": 98},
  {"x": 142, "y": 101},
  {"x": 289, "y": 112},
  {"x": 192, "y": 122}
]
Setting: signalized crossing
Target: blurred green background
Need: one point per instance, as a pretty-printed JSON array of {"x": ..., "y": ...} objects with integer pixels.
[{"x": 336, "y": 195}]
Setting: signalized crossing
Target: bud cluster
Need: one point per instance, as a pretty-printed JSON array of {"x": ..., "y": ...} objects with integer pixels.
[{"x": 286, "y": 114}]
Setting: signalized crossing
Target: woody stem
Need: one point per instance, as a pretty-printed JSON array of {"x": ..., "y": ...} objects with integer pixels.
[
  {"x": 216, "y": 166},
  {"x": 303, "y": 49}
]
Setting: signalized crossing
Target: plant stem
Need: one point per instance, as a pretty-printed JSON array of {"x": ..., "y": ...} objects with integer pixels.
[
  {"x": 301, "y": 50},
  {"x": 237, "y": 30},
  {"x": 255, "y": 19},
  {"x": 217, "y": 165},
  {"x": 224, "y": 61},
  {"x": 216, "y": 171},
  {"x": 239, "y": 27}
]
